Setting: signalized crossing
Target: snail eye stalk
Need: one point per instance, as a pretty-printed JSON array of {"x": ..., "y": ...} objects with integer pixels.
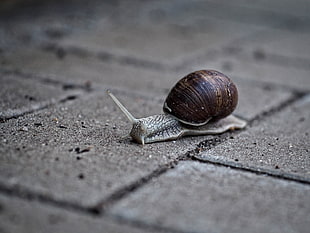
[{"x": 122, "y": 107}]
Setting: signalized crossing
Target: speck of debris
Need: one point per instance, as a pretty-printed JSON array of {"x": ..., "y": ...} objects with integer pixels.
[
  {"x": 62, "y": 127},
  {"x": 55, "y": 119},
  {"x": 88, "y": 85},
  {"x": 30, "y": 98},
  {"x": 78, "y": 150},
  {"x": 78, "y": 157},
  {"x": 71, "y": 97},
  {"x": 68, "y": 86},
  {"x": 60, "y": 53},
  {"x": 267, "y": 87},
  {"x": 301, "y": 119},
  {"x": 276, "y": 167},
  {"x": 24, "y": 128},
  {"x": 81, "y": 176},
  {"x": 56, "y": 159},
  {"x": 37, "y": 124},
  {"x": 236, "y": 160},
  {"x": 259, "y": 54}
]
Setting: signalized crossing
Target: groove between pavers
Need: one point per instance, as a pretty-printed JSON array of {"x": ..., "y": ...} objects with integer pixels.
[
  {"x": 104, "y": 56},
  {"x": 86, "y": 88},
  {"x": 45, "y": 79},
  {"x": 76, "y": 91},
  {"x": 16, "y": 113}
]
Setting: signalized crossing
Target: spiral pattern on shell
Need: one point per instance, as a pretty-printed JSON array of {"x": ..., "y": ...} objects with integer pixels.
[{"x": 202, "y": 96}]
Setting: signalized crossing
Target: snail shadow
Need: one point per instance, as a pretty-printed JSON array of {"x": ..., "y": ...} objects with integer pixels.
[{"x": 127, "y": 140}]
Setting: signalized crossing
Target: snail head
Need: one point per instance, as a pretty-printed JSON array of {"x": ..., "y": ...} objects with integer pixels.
[{"x": 139, "y": 129}]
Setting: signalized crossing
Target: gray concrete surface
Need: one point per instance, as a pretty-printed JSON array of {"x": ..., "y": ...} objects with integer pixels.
[
  {"x": 286, "y": 133},
  {"x": 66, "y": 161},
  {"x": 17, "y": 218},
  {"x": 215, "y": 199}
]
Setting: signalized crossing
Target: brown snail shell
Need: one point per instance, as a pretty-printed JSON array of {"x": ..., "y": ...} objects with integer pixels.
[{"x": 202, "y": 96}]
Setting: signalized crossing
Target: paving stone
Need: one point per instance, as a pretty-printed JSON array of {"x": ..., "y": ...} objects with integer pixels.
[
  {"x": 257, "y": 98},
  {"x": 197, "y": 197},
  {"x": 281, "y": 43},
  {"x": 29, "y": 216},
  {"x": 80, "y": 70},
  {"x": 20, "y": 95},
  {"x": 280, "y": 144},
  {"x": 263, "y": 13},
  {"x": 298, "y": 8},
  {"x": 22, "y": 25},
  {"x": 162, "y": 43},
  {"x": 79, "y": 151},
  {"x": 247, "y": 66},
  {"x": 124, "y": 28}
]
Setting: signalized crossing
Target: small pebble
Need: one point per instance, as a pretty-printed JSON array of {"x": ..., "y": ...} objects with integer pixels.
[{"x": 24, "y": 128}]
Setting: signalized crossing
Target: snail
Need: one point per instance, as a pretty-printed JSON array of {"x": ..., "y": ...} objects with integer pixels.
[{"x": 200, "y": 103}]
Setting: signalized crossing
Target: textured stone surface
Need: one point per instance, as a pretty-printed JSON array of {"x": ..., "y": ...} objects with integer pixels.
[
  {"x": 298, "y": 8},
  {"x": 79, "y": 151},
  {"x": 20, "y": 95},
  {"x": 45, "y": 144},
  {"x": 30, "y": 216},
  {"x": 197, "y": 197},
  {"x": 83, "y": 69},
  {"x": 247, "y": 66},
  {"x": 279, "y": 143},
  {"x": 254, "y": 99},
  {"x": 280, "y": 44},
  {"x": 61, "y": 163},
  {"x": 161, "y": 43}
]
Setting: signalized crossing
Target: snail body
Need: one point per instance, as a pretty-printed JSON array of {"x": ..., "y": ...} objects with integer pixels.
[{"x": 200, "y": 103}]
